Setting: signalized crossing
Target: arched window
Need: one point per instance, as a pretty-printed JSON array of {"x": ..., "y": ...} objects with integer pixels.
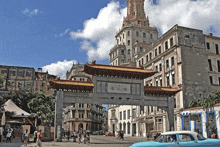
[
  {"x": 147, "y": 58},
  {"x": 128, "y": 51}
]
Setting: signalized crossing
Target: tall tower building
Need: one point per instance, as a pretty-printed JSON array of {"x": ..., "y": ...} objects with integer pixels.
[{"x": 134, "y": 37}]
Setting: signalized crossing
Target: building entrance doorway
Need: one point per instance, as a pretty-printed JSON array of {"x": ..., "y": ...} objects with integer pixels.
[
  {"x": 134, "y": 130},
  {"x": 149, "y": 127},
  {"x": 113, "y": 128},
  {"x": 80, "y": 126}
]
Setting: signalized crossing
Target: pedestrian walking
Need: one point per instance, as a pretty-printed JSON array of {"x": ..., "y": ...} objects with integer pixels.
[
  {"x": 35, "y": 135},
  {"x": 88, "y": 138},
  {"x": 84, "y": 137},
  {"x": 8, "y": 136},
  {"x": 1, "y": 133},
  {"x": 74, "y": 136},
  {"x": 80, "y": 137},
  {"x": 25, "y": 135},
  {"x": 148, "y": 135},
  {"x": 68, "y": 135},
  {"x": 39, "y": 143}
]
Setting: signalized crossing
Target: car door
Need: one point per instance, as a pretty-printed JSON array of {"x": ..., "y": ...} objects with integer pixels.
[
  {"x": 168, "y": 141},
  {"x": 187, "y": 140}
]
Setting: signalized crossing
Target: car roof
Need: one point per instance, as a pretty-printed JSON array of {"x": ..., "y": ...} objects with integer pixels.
[{"x": 179, "y": 132}]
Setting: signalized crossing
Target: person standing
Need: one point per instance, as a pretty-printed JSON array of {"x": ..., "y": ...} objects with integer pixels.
[
  {"x": 39, "y": 143},
  {"x": 8, "y": 136},
  {"x": 26, "y": 134},
  {"x": 88, "y": 137},
  {"x": 74, "y": 136},
  {"x": 80, "y": 137},
  {"x": 35, "y": 135},
  {"x": 68, "y": 134},
  {"x": 84, "y": 137},
  {"x": 1, "y": 133}
]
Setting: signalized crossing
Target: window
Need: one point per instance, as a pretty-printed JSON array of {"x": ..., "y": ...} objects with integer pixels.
[
  {"x": 128, "y": 117},
  {"x": 79, "y": 115},
  {"x": 139, "y": 62},
  {"x": 128, "y": 124},
  {"x": 172, "y": 61},
  {"x": 137, "y": 34},
  {"x": 218, "y": 63},
  {"x": 161, "y": 81},
  {"x": 128, "y": 42},
  {"x": 185, "y": 137},
  {"x": 122, "y": 52},
  {"x": 134, "y": 113},
  {"x": 156, "y": 67},
  {"x": 173, "y": 79},
  {"x": 79, "y": 105},
  {"x": 151, "y": 36},
  {"x": 171, "y": 42},
  {"x": 144, "y": 35},
  {"x": 210, "y": 78},
  {"x": 141, "y": 49},
  {"x": 150, "y": 56},
  {"x": 168, "y": 81},
  {"x": 128, "y": 51},
  {"x": 174, "y": 102},
  {"x": 120, "y": 115},
  {"x": 124, "y": 127},
  {"x": 120, "y": 127},
  {"x": 170, "y": 138},
  {"x": 160, "y": 67},
  {"x": 124, "y": 115},
  {"x": 128, "y": 33},
  {"x": 142, "y": 60},
  {"x": 158, "y": 109},
  {"x": 82, "y": 105},
  {"x": 4, "y": 71},
  {"x": 28, "y": 73},
  {"x": 120, "y": 38},
  {"x": 123, "y": 36},
  {"x": 156, "y": 83},
  {"x": 73, "y": 104},
  {"x": 141, "y": 109},
  {"x": 20, "y": 73},
  {"x": 167, "y": 63},
  {"x": 210, "y": 64},
  {"x": 147, "y": 58},
  {"x": 155, "y": 51},
  {"x": 13, "y": 73},
  {"x": 82, "y": 115},
  {"x": 166, "y": 45},
  {"x": 208, "y": 46},
  {"x": 19, "y": 84},
  {"x": 216, "y": 48},
  {"x": 187, "y": 36},
  {"x": 159, "y": 49}
]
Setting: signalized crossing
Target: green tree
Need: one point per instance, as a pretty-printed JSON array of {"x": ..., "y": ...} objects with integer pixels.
[
  {"x": 1, "y": 80},
  {"x": 43, "y": 107}
]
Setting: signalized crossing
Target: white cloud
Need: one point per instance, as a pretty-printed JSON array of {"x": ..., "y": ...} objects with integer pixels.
[
  {"x": 59, "y": 68},
  {"x": 65, "y": 32},
  {"x": 30, "y": 12},
  {"x": 98, "y": 33}
]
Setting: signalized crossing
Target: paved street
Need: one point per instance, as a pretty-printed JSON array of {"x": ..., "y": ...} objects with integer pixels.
[{"x": 96, "y": 141}]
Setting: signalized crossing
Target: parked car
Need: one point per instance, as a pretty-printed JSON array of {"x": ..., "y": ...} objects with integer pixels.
[
  {"x": 71, "y": 134},
  {"x": 180, "y": 138}
]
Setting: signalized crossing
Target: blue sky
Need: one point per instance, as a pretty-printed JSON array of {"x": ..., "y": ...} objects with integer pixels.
[{"x": 54, "y": 34}]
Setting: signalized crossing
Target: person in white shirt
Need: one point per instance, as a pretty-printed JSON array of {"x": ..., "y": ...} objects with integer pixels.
[
  {"x": 8, "y": 136},
  {"x": 26, "y": 134}
]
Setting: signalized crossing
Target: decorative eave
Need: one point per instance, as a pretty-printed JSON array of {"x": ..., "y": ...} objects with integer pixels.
[
  {"x": 118, "y": 71},
  {"x": 160, "y": 91},
  {"x": 77, "y": 86}
]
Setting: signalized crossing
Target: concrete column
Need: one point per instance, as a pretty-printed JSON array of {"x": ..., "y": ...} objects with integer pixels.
[
  {"x": 58, "y": 117},
  {"x": 84, "y": 126},
  {"x": 164, "y": 124},
  {"x": 85, "y": 114},
  {"x": 154, "y": 119},
  {"x": 77, "y": 113},
  {"x": 77, "y": 126},
  {"x": 144, "y": 130},
  {"x": 170, "y": 113}
]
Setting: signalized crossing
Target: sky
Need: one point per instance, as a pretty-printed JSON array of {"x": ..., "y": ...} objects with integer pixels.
[{"x": 54, "y": 34}]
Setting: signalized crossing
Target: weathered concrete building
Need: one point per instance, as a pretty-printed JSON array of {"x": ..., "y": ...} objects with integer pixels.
[
  {"x": 81, "y": 115},
  {"x": 185, "y": 58},
  {"x": 25, "y": 78}
]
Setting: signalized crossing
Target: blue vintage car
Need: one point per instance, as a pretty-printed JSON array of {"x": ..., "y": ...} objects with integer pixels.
[{"x": 180, "y": 139}]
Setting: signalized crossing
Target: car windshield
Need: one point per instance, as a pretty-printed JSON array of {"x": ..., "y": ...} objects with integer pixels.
[
  {"x": 160, "y": 138},
  {"x": 200, "y": 137}
]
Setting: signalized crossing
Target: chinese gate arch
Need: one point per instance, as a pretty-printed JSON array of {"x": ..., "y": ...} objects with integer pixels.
[{"x": 112, "y": 85}]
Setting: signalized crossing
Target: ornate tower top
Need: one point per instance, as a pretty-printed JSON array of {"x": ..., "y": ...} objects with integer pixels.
[{"x": 135, "y": 14}]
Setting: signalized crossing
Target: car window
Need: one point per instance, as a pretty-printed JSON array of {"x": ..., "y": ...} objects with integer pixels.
[
  {"x": 186, "y": 137},
  {"x": 160, "y": 138},
  {"x": 170, "y": 138},
  {"x": 200, "y": 137}
]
